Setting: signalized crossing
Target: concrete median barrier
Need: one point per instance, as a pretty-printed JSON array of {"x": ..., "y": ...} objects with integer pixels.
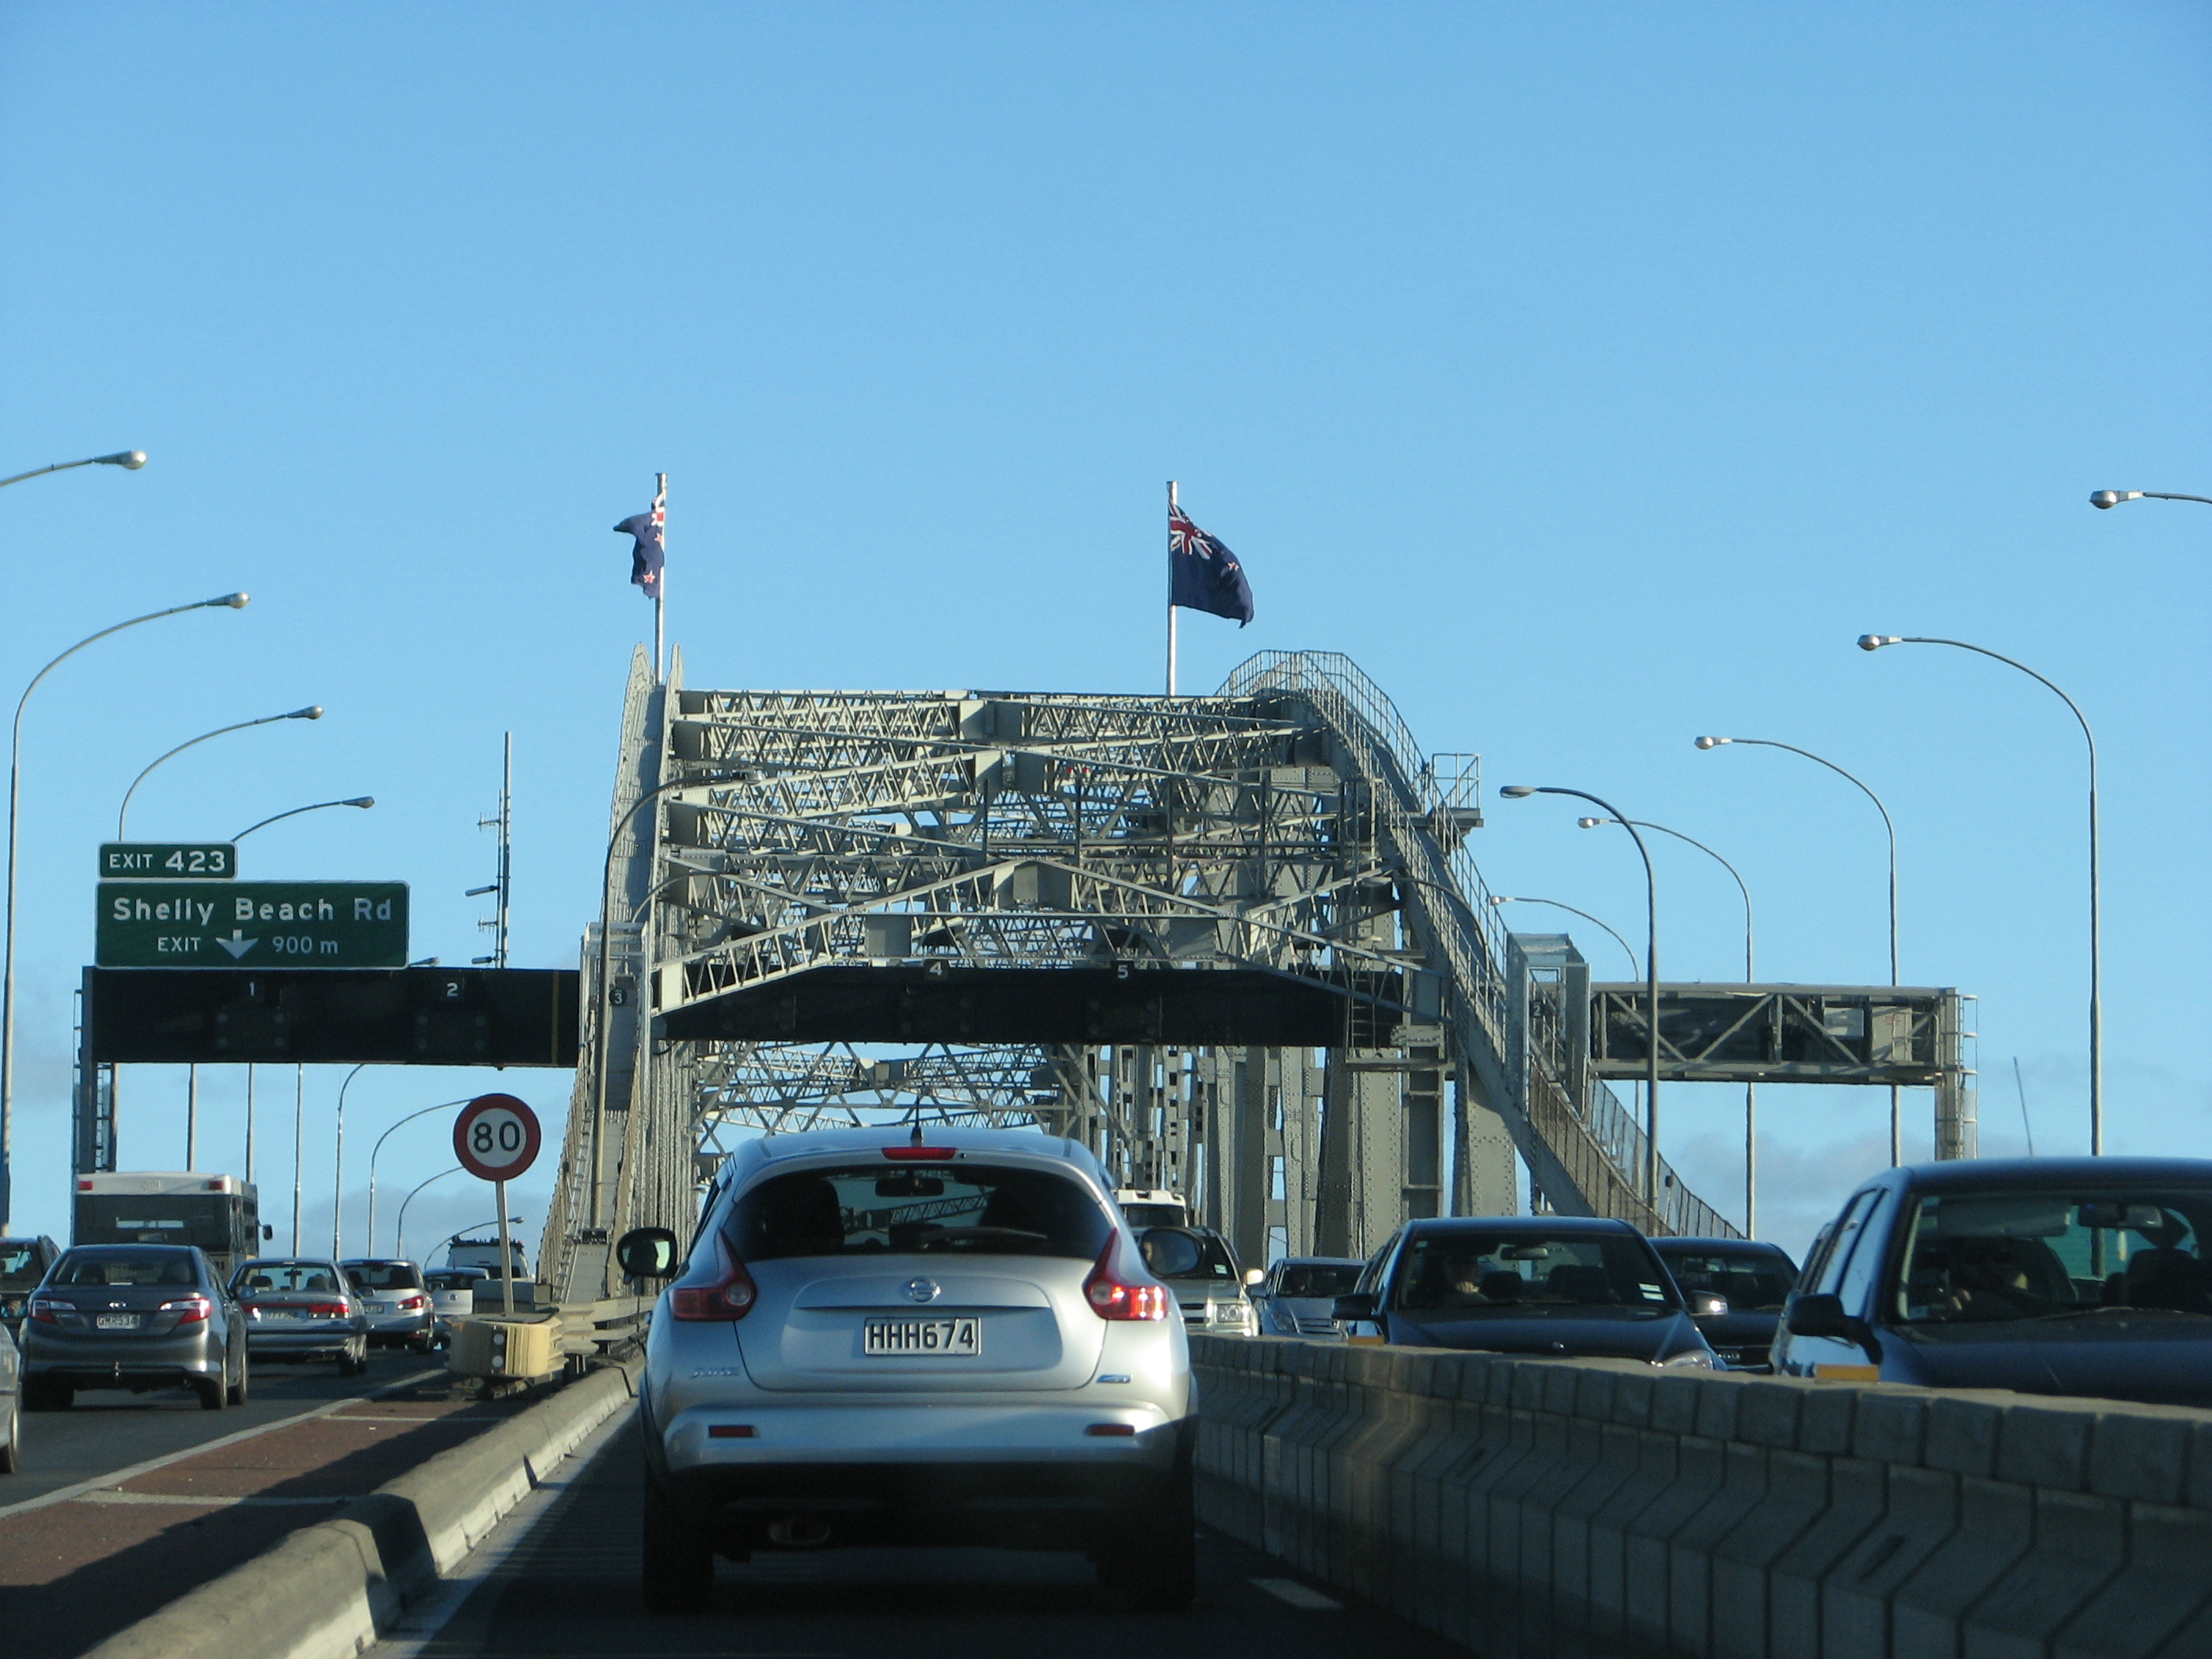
[
  {"x": 328, "y": 1590},
  {"x": 1523, "y": 1505}
]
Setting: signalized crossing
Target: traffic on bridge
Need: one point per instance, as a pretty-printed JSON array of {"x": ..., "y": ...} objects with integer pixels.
[{"x": 974, "y": 829}]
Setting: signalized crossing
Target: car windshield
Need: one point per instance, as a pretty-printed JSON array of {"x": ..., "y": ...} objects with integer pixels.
[
  {"x": 965, "y": 1208},
  {"x": 1187, "y": 1253},
  {"x": 1318, "y": 1279},
  {"x": 1475, "y": 1273},
  {"x": 19, "y": 1267},
  {"x": 1754, "y": 1278},
  {"x": 1979, "y": 1257},
  {"x": 384, "y": 1276},
  {"x": 81, "y": 1268},
  {"x": 263, "y": 1278}
]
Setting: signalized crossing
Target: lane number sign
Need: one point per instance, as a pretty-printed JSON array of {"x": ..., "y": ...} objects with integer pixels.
[{"x": 495, "y": 1138}]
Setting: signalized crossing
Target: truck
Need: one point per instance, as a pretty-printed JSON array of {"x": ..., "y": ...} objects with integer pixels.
[
  {"x": 220, "y": 1213},
  {"x": 1152, "y": 1207},
  {"x": 485, "y": 1253}
]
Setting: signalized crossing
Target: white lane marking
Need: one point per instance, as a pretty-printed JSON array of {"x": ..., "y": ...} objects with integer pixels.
[
  {"x": 210, "y": 1502},
  {"x": 117, "y": 1477},
  {"x": 522, "y": 1526},
  {"x": 1289, "y": 1590}
]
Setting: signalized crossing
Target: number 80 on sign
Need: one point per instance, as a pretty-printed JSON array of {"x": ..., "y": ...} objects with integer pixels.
[{"x": 495, "y": 1137}]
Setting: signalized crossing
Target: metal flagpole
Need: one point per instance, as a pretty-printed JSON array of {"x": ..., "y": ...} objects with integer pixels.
[
  {"x": 1171, "y": 609},
  {"x": 660, "y": 583}
]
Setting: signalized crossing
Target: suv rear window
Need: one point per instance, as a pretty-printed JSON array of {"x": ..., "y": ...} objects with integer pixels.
[
  {"x": 963, "y": 1208},
  {"x": 384, "y": 1276},
  {"x": 20, "y": 1265}
]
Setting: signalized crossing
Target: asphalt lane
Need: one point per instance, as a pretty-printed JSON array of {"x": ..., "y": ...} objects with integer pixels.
[
  {"x": 568, "y": 1590},
  {"x": 110, "y": 1428}
]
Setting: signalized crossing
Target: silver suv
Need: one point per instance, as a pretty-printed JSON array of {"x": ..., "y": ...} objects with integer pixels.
[{"x": 885, "y": 1339}]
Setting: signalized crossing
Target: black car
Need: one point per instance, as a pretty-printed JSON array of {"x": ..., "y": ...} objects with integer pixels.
[
  {"x": 23, "y": 1263},
  {"x": 2050, "y": 1275},
  {"x": 1533, "y": 1285},
  {"x": 1753, "y": 1278}
]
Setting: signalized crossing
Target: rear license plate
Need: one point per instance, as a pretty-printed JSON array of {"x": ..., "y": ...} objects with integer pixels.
[
  {"x": 116, "y": 1321},
  {"x": 899, "y": 1338}
]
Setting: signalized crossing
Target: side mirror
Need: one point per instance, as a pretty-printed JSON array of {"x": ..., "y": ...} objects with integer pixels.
[
  {"x": 647, "y": 1252},
  {"x": 1707, "y": 1305},
  {"x": 1359, "y": 1305},
  {"x": 268, "y": 1232},
  {"x": 1817, "y": 1313},
  {"x": 1254, "y": 1275}
]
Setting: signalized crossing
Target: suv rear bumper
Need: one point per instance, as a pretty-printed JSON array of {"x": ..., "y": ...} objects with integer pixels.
[{"x": 1027, "y": 1503}]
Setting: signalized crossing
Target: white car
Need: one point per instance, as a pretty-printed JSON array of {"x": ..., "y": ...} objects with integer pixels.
[{"x": 881, "y": 1338}]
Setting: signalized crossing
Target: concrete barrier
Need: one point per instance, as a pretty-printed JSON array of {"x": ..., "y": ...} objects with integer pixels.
[
  {"x": 1525, "y": 1506},
  {"x": 327, "y": 1591}
]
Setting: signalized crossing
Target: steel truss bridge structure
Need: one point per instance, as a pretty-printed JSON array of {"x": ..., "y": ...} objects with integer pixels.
[{"x": 1235, "y": 943}]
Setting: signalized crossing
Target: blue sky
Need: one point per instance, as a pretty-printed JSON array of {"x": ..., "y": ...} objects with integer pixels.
[{"x": 1591, "y": 374}]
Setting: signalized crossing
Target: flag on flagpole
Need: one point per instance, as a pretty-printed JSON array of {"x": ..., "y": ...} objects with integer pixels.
[
  {"x": 1202, "y": 574},
  {"x": 648, "y": 553}
]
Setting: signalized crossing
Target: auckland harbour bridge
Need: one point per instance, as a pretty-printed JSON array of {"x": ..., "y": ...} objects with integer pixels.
[{"x": 1235, "y": 943}]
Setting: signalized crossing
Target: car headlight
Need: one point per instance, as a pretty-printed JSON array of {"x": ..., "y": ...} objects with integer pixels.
[{"x": 1700, "y": 1357}]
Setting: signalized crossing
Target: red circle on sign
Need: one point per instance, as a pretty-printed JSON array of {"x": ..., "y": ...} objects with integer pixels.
[{"x": 495, "y": 1138}]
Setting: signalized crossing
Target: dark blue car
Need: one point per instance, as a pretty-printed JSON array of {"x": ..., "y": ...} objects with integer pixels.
[
  {"x": 1545, "y": 1284},
  {"x": 2061, "y": 1276}
]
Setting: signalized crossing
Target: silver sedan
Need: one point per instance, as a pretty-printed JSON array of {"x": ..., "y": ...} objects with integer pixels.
[{"x": 304, "y": 1310}]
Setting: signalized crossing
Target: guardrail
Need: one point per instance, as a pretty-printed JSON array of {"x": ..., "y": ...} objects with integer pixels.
[{"x": 1527, "y": 1506}]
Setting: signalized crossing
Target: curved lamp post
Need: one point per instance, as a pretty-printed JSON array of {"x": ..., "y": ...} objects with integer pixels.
[
  {"x": 399, "y": 1241},
  {"x": 442, "y": 1106},
  {"x": 1750, "y": 1090},
  {"x": 228, "y": 601},
  {"x": 1874, "y": 642},
  {"x": 362, "y": 801},
  {"x": 128, "y": 459},
  {"x": 1896, "y": 1093},
  {"x": 2104, "y": 498},
  {"x": 1517, "y": 792},
  {"x": 311, "y": 712}
]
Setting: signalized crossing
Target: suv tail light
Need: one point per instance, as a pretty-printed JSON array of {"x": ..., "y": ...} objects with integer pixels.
[
  {"x": 189, "y": 1309},
  {"x": 1112, "y": 1296},
  {"x": 729, "y": 1297}
]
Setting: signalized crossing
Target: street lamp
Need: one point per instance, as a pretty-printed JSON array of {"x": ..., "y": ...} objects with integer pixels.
[
  {"x": 311, "y": 712},
  {"x": 1634, "y": 967},
  {"x": 442, "y": 1106},
  {"x": 1518, "y": 791},
  {"x": 228, "y": 601},
  {"x": 2111, "y": 498},
  {"x": 128, "y": 459},
  {"x": 1896, "y": 1092},
  {"x": 338, "y": 1176},
  {"x": 1874, "y": 642},
  {"x": 1750, "y": 1090},
  {"x": 400, "y": 1241},
  {"x": 362, "y": 801}
]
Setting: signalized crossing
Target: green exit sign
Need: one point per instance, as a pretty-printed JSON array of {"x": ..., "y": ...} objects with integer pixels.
[
  {"x": 167, "y": 861},
  {"x": 251, "y": 924}
]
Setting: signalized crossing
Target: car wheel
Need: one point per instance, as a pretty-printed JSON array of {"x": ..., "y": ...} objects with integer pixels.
[
  {"x": 678, "y": 1574},
  {"x": 11, "y": 1450},
  {"x": 1152, "y": 1563},
  {"x": 39, "y": 1395},
  {"x": 214, "y": 1391}
]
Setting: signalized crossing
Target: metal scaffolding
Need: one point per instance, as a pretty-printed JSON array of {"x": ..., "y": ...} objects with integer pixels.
[{"x": 1235, "y": 944}]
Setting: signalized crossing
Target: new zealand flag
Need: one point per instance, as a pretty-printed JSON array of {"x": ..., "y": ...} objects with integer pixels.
[
  {"x": 1203, "y": 575},
  {"x": 648, "y": 555}
]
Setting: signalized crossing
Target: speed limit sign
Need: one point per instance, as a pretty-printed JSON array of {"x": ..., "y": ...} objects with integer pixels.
[{"x": 496, "y": 1137}]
